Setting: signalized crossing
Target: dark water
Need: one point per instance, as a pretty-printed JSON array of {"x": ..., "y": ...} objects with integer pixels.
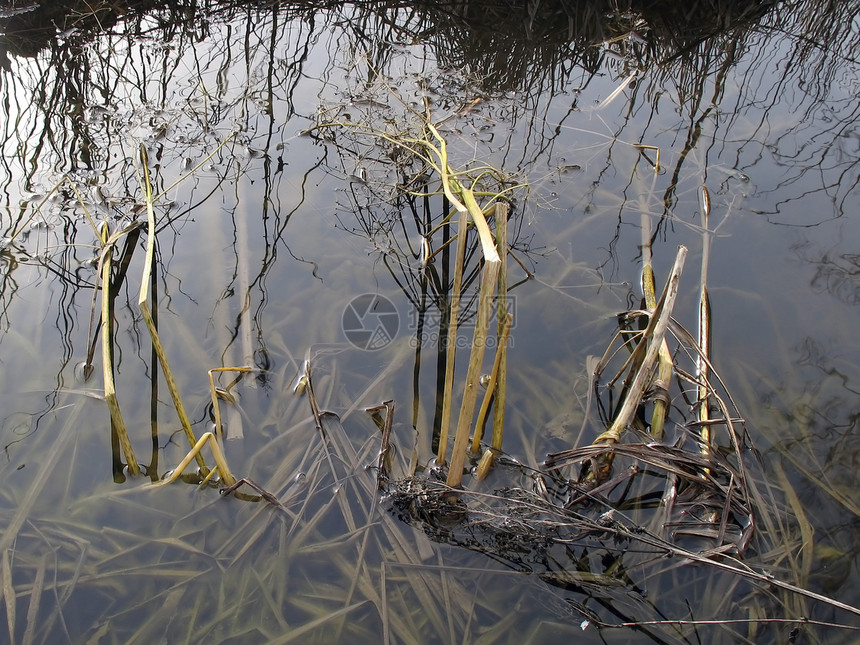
[{"x": 267, "y": 234}]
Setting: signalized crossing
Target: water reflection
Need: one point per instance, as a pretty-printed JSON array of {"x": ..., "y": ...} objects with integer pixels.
[{"x": 264, "y": 242}]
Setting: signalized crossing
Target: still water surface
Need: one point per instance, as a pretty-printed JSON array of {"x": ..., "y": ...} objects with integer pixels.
[{"x": 267, "y": 232}]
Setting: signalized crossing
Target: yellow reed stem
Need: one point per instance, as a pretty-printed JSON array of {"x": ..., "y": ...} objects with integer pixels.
[
  {"x": 147, "y": 314},
  {"x": 451, "y": 349},
  {"x": 107, "y": 361},
  {"x": 220, "y": 460}
]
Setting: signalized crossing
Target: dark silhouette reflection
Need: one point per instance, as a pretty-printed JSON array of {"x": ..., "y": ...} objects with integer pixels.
[{"x": 655, "y": 46}]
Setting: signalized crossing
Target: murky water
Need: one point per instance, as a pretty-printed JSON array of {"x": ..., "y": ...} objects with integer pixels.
[{"x": 275, "y": 221}]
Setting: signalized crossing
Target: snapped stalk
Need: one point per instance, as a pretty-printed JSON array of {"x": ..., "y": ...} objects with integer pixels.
[
  {"x": 489, "y": 280},
  {"x": 665, "y": 365},
  {"x": 451, "y": 350},
  {"x": 107, "y": 358},
  {"x": 652, "y": 339},
  {"x": 147, "y": 314},
  {"x": 220, "y": 460},
  {"x": 492, "y": 387}
]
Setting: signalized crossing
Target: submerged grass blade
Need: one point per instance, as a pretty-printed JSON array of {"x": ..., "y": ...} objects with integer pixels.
[
  {"x": 299, "y": 632},
  {"x": 8, "y": 593},
  {"x": 57, "y": 451},
  {"x": 35, "y": 601}
]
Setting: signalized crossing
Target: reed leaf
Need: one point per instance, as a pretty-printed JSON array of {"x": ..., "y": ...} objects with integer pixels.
[
  {"x": 117, "y": 422},
  {"x": 142, "y": 302}
]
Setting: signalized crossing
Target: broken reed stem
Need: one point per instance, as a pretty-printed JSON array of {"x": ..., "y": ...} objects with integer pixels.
[
  {"x": 383, "y": 470},
  {"x": 665, "y": 365},
  {"x": 489, "y": 280},
  {"x": 704, "y": 355},
  {"x": 473, "y": 373},
  {"x": 107, "y": 358},
  {"x": 213, "y": 391},
  {"x": 491, "y": 387},
  {"x": 220, "y": 460},
  {"x": 652, "y": 340},
  {"x": 451, "y": 349},
  {"x": 498, "y": 375},
  {"x": 497, "y": 381},
  {"x": 504, "y": 325},
  {"x": 442, "y": 168},
  {"x": 488, "y": 244},
  {"x": 147, "y": 314}
]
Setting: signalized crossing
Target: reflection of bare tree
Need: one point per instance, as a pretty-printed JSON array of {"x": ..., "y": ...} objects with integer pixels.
[
  {"x": 838, "y": 274},
  {"x": 80, "y": 108},
  {"x": 544, "y": 48}
]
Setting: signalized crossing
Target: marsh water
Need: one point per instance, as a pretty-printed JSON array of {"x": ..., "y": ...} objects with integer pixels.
[{"x": 285, "y": 236}]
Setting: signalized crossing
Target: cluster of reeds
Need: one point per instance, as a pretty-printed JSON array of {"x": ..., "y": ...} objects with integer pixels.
[
  {"x": 647, "y": 373},
  {"x": 111, "y": 274},
  {"x": 673, "y": 471},
  {"x": 462, "y": 190}
]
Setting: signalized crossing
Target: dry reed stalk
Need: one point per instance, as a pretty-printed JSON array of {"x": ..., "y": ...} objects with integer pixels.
[
  {"x": 215, "y": 394},
  {"x": 645, "y": 357},
  {"x": 451, "y": 349},
  {"x": 383, "y": 469},
  {"x": 702, "y": 359},
  {"x": 473, "y": 374},
  {"x": 504, "y": 326},
  {"x": 117, "y": 423},
  {"x": 220, "y": 461},
  {"x": 489, "y": 281},
  {"x": 147, "y": 314},
  {"x": 497, "y": 381},
  {"x": 492, "y": 386},
  {"x": 665, "y": 365}
]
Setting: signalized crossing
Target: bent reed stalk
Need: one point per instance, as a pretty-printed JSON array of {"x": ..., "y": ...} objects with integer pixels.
[
  {"x": 147, "y": 314},
  {"x": 108, "y": 242},
  {"x": 461, "y": 189},
  {"x": 643, "y": 361}
]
